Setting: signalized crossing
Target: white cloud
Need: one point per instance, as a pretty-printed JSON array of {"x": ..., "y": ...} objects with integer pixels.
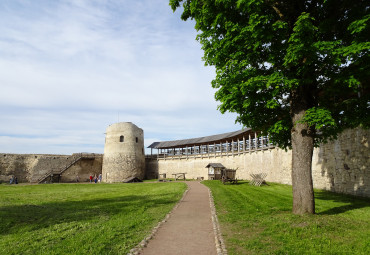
[{"x": 69, "y": 68}]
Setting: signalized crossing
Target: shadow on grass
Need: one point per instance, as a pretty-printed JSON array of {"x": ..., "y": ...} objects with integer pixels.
[
  {"x": 240, "y": 182},
  {"x": 34, "y": 217},
  {"x": 351, "y": 202}
]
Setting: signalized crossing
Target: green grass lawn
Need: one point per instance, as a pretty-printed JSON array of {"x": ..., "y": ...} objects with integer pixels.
[
  {"x": 113, "y": 218},
  {"x": 258, "y": 220},
  {"x": 81, "y": 218}
]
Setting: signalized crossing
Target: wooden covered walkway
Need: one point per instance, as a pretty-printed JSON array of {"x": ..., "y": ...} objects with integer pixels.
[{"x": 233, "y": 143}]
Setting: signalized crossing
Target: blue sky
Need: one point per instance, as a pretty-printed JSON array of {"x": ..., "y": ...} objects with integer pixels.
[{"x": 70, "y": 68}]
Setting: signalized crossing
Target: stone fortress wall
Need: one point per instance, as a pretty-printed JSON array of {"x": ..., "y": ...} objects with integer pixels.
[
  {"x": 124, "y": 157},
  {"x": 33, "y": 167},
  {"x": 341, "y": 166}
]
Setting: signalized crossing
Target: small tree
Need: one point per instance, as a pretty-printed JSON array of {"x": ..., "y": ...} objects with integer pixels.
[{"x": 297, "y": 70}]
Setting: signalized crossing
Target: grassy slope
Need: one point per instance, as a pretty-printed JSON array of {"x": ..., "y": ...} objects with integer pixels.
[
  {"x": 258, "y": 220},
  {"x": 81, "y": 218}
]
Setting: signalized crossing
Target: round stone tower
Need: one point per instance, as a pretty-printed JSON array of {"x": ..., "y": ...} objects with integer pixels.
[{"x": 124, "y": 155}]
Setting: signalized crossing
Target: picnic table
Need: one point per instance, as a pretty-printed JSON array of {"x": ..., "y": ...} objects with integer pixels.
[
  {"x": 179, "y": 176},
  {"x": 258, "y": 179}
]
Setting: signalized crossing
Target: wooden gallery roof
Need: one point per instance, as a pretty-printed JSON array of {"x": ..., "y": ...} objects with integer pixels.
[{"x": 203, "y": 140}]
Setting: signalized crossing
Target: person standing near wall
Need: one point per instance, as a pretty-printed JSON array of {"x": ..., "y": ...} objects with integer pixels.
[
  {"x": 100, "y": 178},
  {"x": 91, "y": 178}
]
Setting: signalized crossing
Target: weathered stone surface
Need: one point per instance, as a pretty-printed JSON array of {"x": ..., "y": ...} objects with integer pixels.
[
  {"x": 83, "y": 169},
  {"x": 341, "y": 166},
  {"x": 123, "y": 152},
  {"x": 31, "y": 167}
]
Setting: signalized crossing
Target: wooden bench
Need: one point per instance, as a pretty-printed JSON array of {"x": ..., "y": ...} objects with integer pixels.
[{"x": 179, "y": 176}]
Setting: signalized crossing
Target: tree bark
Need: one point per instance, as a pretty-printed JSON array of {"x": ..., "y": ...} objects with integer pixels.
[{"x": 302, "y": 150}]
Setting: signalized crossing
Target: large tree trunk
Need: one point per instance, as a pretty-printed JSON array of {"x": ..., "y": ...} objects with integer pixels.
[{"x": 302, "y": 150}]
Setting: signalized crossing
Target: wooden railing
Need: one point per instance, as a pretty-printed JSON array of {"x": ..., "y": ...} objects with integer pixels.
[{"x": 227, "y": 148}]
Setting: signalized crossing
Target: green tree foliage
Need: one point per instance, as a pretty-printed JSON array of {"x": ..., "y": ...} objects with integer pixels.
[
  {"x": 262, "y": 50},
  {"x": 288, "y": 66}
]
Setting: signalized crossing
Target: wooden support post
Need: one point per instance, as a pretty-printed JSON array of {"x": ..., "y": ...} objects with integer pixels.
[
  {"x": 243, "y": 143},
  {"x": 268, "y": 141},
  {"x": 262, "y": 143},
  {"x": 227, "y": 148},
  {"x": 232, "y": 147},
  {"x": 255, "y": 141}
]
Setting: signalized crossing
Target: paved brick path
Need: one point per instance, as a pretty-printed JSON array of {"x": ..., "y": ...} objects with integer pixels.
[{"x": 189, "y": 229}]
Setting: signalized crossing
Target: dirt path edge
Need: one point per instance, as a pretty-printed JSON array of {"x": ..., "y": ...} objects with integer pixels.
[
  {"x": 220, "y": 244},
  {"x": 138, "y": 248}
]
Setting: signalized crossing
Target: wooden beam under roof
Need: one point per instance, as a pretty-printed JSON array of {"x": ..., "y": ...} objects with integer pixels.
[{"x": 203, "y": 140}]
